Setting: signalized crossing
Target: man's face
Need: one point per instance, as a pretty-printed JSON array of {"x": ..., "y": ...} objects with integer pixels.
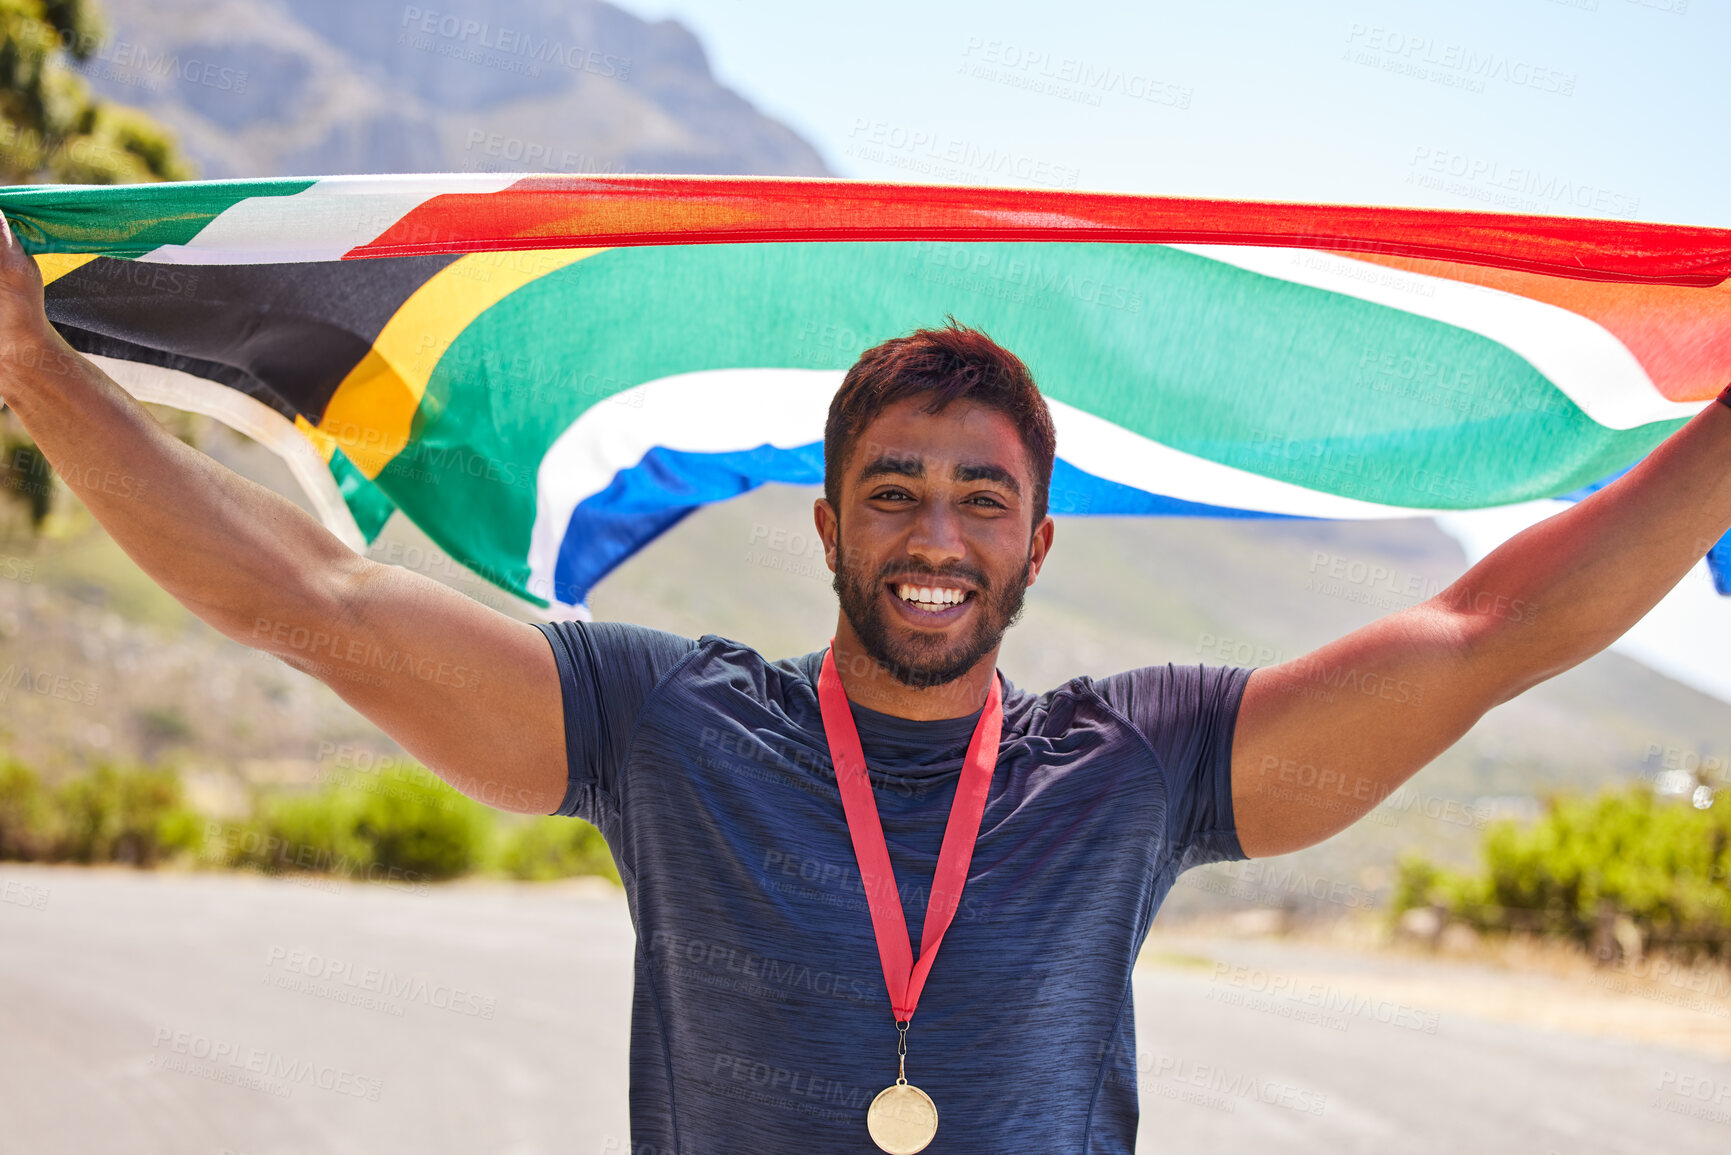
[{"x": 935, "y": 546}]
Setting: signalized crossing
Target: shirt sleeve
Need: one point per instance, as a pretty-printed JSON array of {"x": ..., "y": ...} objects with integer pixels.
[
  {"x": 607, "y": 671},
  {"x": 1188, "y": 714}
]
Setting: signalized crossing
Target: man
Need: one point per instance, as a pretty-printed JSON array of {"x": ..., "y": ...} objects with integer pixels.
[{"x": 766, "y": 967}]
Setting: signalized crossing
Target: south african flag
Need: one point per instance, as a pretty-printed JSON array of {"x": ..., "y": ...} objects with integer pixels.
[{"x": 545, "y": 372}]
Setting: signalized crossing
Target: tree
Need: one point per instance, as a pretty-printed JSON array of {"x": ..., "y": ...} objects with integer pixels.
[{"x": 54, "y": 130}]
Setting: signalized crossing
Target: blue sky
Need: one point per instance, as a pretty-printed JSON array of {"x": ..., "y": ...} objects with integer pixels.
[{"x": 1587, "y": 108}]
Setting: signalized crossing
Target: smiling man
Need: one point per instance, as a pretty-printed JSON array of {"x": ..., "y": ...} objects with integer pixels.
[{"x": 935, "y": 952}]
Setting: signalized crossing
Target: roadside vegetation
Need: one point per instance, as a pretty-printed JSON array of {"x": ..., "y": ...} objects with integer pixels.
[
  {"x": 400, "y": 824},
  {"x": 1622, "y": 873}
]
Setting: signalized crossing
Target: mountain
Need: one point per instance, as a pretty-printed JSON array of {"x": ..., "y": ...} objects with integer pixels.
[
  {"x": 317, "y": 87},
  {"x": 99, "y": 662},
  {"x": 1116, "y": 593}
]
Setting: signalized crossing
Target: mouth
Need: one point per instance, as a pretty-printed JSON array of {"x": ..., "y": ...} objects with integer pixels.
[{"x": 930, "y": 603}]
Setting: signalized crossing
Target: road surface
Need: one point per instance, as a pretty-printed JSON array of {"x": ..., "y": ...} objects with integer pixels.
[{"x": 158, "y": 1013}]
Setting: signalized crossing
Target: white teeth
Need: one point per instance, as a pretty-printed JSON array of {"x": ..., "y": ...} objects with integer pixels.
[{"x": 931, "y": 596}]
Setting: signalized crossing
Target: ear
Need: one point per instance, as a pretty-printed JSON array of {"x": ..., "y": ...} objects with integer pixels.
[
  {"x": 1042, "y": 544},
  {"x": 828, "y": 528}
]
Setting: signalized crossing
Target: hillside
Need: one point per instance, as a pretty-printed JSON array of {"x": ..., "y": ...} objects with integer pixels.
[
  {"x": 97, "y": 662},
  {"x": 1116, "y": 593},
  {"x": 256, "y": 88},
  {"x": 1123, "y": 592}
]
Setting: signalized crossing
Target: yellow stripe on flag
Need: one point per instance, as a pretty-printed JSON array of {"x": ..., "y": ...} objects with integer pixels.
[
  {"x": 371, "y": 413},
  {"x": 322, "y": 441},
  {"x": 57, "y": 265}
]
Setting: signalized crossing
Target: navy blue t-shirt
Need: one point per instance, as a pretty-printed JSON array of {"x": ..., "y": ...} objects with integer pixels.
[{"x": 760, "y": 1022}]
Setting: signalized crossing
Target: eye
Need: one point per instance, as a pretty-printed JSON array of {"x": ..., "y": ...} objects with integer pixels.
[
  {"x": 991, "y": 502},
  {"x": 884, "y": 494}
]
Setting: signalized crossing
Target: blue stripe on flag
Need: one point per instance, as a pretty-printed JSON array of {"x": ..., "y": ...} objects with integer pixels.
[{"x": 652, "y": 496}]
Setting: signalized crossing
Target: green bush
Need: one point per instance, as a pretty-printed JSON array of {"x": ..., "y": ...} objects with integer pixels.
[
  {"x": 29, "y": 818},
  {"x": 407, "y": 823},
  {"x": 418, "y": 823},
  {"x": 1666, "y": 865},
  {"x": 134, "y": 815},
  {"x": 406, "y": 826},
  {"x": 547, "y": 848}
]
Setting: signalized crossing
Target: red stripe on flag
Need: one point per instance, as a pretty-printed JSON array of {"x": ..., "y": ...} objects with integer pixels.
[
  {"x": 1681, "y": 336},
  {"x": 557, "y": 211}
]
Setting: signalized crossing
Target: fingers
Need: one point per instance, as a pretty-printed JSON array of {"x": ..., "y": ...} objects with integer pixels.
[
  {"x": 12, "y": 254},
  {"x": 11, "y": 249},
  {"x": 20, "y": 282}
]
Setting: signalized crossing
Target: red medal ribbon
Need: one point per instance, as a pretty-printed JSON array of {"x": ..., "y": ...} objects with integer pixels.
[{"x": 902, "y": 976}]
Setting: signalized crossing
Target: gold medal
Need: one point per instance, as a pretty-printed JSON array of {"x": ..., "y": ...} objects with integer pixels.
[{"x": 902, "y": 1119}]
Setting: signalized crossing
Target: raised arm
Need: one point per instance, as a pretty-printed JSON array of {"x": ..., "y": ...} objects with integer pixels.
[
  {"x": 470, "y": 692},
  {"x": 1322, "y": 739}
]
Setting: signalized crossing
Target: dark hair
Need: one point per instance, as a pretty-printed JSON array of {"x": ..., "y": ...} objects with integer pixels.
[{"x": 950, "y": 364}]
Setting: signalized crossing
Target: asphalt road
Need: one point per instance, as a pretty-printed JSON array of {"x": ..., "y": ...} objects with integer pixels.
[{"x": 158, "y": 1013}]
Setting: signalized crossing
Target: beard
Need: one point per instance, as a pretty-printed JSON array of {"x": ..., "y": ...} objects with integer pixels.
[{"x": 926, "y": 660}]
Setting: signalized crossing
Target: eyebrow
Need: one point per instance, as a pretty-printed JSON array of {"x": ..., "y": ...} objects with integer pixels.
[{"x": 889, "y": 465}]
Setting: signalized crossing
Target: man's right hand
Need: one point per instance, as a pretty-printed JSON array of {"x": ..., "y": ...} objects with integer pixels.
[
  {"x": 472, "y": 693},
  {"x": 26, "y": 337},
  {"x": 20, "y": 281}
]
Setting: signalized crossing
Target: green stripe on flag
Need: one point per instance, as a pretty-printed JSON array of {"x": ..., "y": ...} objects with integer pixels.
[
  {"x": 366, "y": 501},
  {"x": 1280, "y": 379},
  {"x": 126, "y": 220}
]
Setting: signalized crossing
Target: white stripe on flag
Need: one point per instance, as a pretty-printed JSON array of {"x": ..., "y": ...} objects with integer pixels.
[
  {"x": 251, "y": 417},
  {"x": 319, "y": 223},
  {"x": 1579, "y": 356},
  {"x": 728, "y": 410}
]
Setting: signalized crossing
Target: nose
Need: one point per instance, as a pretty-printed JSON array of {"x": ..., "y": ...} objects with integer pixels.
[{"x": 936, "y": 536}]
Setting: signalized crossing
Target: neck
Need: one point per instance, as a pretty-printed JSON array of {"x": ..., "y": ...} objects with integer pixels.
[{"x": 870, "y": 685}]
